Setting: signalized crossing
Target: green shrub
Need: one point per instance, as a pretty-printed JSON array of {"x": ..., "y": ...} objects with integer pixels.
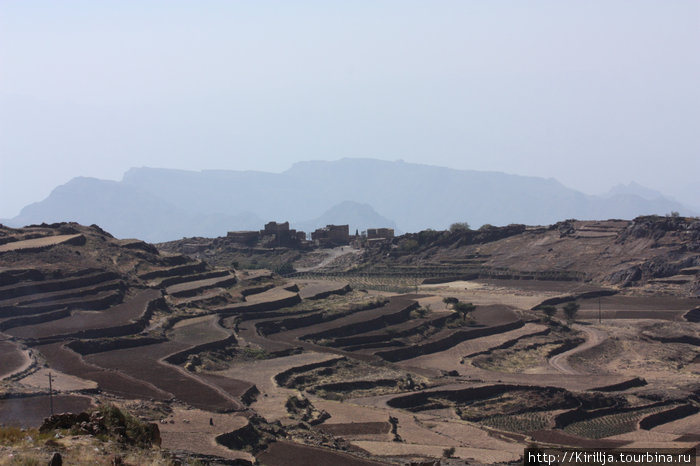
[
  {"x": 570, "y": 310},
  {"x": 407, "y": 245},
  {"x": 548, "y": 311},
  {"x": 459, "y": 226}
]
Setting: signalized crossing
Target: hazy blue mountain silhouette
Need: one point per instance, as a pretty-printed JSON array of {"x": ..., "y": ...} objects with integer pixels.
[
  {"x": 162, "y": 204},
  {"x": 635, "y": 189},
  {"x": 127, "y": 212},
  {"x": 357, "y": 216}
]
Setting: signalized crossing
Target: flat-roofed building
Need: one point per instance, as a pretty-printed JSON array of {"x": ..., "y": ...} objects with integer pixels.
[
  {"x": 380, "y": 233},
  {"x": 332, "y": 235}
]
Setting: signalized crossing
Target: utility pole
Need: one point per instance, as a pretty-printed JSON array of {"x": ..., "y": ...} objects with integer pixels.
[
  {"x": 417, "y": 275},
  {"x": 600, "y": 312},
  {"x": 51, "y": 392}
]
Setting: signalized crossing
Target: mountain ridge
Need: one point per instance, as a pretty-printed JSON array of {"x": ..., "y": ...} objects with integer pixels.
[{"x": 163, "y": 204}]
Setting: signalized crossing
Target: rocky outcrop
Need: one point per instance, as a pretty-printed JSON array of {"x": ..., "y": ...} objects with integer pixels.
[{"x": 110, "y": 421}]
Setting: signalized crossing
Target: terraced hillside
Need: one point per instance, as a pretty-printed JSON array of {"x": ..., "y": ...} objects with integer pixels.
[{"x": 319, "y": 368}]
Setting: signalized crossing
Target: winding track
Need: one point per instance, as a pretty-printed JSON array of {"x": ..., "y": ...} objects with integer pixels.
[
  {"x": 333, "y": 254},
  {"x": 594, "y": 337}
]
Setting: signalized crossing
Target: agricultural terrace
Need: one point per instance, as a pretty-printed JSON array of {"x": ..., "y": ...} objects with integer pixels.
[{"x": 457, "y": 346}]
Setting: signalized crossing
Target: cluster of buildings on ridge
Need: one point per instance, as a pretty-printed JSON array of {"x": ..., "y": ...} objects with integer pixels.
[{"x": 280, "y": 235}]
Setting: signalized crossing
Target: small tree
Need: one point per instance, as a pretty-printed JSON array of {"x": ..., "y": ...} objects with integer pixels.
[
  {"x": 448, "y": 300},
  {"x": 459, "y": 226},
  {"x": 570, "y": 310},
  {"x": 464, "y": 309},
  {"x": 548, "y": 311},
  {"x": 448, "y": 452}
]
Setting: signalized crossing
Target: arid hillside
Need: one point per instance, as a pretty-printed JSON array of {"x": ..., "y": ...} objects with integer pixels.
[
  {"x": 436, "y": 347},
  {"x": 656, "y": 254},
  {"x": 661, "y": 254}
]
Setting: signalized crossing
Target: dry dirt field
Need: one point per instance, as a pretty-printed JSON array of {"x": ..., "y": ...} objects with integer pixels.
[{"x": 353, "y": 367}]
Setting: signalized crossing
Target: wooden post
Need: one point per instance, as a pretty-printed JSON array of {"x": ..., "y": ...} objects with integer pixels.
[{"x": 51, "y": 392}]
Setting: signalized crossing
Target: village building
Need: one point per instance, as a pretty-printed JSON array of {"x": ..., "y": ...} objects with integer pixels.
[
  {"x": 380, "y": 233},
  {"x": 332, "y": 235},
  {"x": 272, "y": 235},
  {"x": 244, "y": 237},
  {"x": 280, "y": 235}
]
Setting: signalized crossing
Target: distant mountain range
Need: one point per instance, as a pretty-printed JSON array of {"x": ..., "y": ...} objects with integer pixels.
[{"x": 163, "y": 204}]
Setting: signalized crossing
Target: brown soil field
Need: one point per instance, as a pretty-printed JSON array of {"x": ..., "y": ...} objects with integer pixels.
[
  {"x": 562, "y": 438},
  {"x": 37, "y": 287},
  {"x": 183, "y": 386},
  {"x": 172, "y": 271},
  {"x": 494, "y": 315},
  {"x": 477, "y": 455},
  {"x": 190, "y": 430},
  {"x": 484, "y": 294},
  {"x": 270, "y": 296},
  {"x": 206, "y": 298},
  {"x": 52, "y": 296},
  {"x": 193, "y": 287},
  {"x": 649, "y": 437},
  {"x": 491, "y": 319},
  {"x": 61, "y": 382},
  {"x": 321, "y": 289},
  {"x": 687, "y": 426},
  {"x": 344, "y": 325},
  {"x": 284, "y": 453},
  {"x": 174, "y": 280},
  {"x": 451, "y": 359},
  {"x": 198, "y": 330},
  {"x": 30, "y": 411},
  {"x": 544, "y": 286},
  {"x": 234, "y": 387},
  {"x": 629, "y": 353},
  {"x": 261, "y": 373},
  {"x": 70, "y": 362},
  {"x": 39, "y": 243},
  {"x": 98, "y": 301},
  {"x": 637, "y": 307},
  {"x": 357, "y": 428},
  {"x": 269, "y": 300},
  {"x": 423, "y": 435},
  {"x": 415, "y": 428},
  {"x": 141, "y": 379},
  {"x": 85, "y": 321},
  {"x": 144, "y": 363}
]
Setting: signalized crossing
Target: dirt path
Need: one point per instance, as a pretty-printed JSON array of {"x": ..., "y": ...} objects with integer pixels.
[
  {"x": 333, "y": 254},
  {"x": 594, "y": 337}
]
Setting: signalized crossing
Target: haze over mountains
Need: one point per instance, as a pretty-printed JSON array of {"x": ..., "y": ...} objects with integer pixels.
[{"x": 164, "y": 204}]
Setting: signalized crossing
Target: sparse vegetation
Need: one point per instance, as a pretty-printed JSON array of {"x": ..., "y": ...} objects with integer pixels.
[
  {"x": 549, "y": 311},
  {"x": 449, "y": 301},
  {"x": 570, "y": 310},
  {"x": 459, "y": 226},
  {"x": 521, "y": 423},
  {"x": 420, "y": 313},
  {"x": 464, "y": 309},
  {"x": 408, "y": 245},
  {"x": 611, "y": 424}
]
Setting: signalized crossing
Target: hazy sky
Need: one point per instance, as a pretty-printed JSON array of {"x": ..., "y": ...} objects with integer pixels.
[{"x": 591, "y": 92}]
